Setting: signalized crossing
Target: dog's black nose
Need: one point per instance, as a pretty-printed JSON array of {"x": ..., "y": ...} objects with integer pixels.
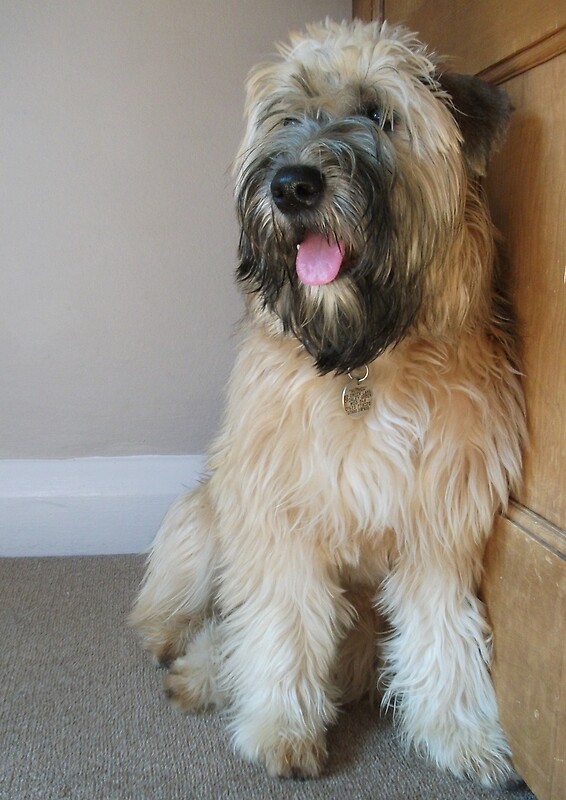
[{"x": 297, "y": 188}]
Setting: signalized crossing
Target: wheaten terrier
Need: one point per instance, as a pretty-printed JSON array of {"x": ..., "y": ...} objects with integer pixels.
[{"x": 373, "y": 424}]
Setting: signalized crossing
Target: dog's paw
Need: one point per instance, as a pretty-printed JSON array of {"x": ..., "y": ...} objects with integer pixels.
[
  {"x": 167, "y": 640},
  {"x": 493, "y": 770},
  {"x": 166, "y": 652},
  {"x": 282, "y": 749},
  {"x": 299, "y": 759},
  {"x": 484, "y": 759},
  {"x": 182, "y": 692},
  {"x": 190, "y": 690},
  {"x": 192, "y": 681}
]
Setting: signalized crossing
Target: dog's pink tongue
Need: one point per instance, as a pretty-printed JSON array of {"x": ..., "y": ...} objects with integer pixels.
[{"x": 318, "y": 260}]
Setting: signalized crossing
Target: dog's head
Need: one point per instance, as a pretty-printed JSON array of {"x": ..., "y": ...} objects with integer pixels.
[{"x": 353, "y": 188}]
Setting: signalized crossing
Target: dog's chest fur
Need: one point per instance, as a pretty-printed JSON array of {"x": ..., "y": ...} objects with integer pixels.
[{"x": 288, "y": 446}]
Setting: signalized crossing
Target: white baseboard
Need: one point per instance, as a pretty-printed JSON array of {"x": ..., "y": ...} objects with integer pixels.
[{"x": 89, "y": 506}]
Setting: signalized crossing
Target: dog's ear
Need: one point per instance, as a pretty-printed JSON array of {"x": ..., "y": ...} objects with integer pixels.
[{"x": 482, "y": 112}]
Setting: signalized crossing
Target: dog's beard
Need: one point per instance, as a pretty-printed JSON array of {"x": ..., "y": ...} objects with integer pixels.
[
  {"x": 343, "y": 325},
  {"x": 372, "y": 303}
]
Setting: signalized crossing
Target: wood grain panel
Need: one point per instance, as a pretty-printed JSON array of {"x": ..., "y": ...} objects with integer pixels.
[
  {"x": 525, "y": 591},
  {"x": 523, "y": 60},
  {"x": 367, "y": 9},
  {"x": 526, "y": 189},
  {"x": 481, "y": 33}
]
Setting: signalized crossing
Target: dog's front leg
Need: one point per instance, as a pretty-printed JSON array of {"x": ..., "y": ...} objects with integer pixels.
[
  {"x": 176, "y": 594},
  {"x": 438, "y": 666},
  {"x": 284, "y": 616}
]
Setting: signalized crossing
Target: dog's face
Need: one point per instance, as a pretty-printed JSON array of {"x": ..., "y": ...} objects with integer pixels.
[{"x": 352, "y": 186}]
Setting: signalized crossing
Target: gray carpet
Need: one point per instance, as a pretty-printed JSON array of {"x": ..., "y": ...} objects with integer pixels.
[{"x": 82, "y": 715}]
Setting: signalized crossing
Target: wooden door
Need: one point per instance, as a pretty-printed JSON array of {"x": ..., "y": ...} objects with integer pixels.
[{"x": 521, "y": 44}]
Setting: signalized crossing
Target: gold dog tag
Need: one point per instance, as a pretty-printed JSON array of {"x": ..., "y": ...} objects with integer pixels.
[{"x": 356, "y": 398}]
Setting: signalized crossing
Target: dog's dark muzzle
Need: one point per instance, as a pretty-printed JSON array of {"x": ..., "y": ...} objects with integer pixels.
[{"x": 297, "y": 188}]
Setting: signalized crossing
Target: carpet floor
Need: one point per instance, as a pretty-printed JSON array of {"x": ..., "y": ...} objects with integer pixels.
[{"x": 82, "y": 715}]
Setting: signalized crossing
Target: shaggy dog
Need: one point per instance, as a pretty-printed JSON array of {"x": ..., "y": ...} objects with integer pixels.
[{"x": 374, "y": 418}]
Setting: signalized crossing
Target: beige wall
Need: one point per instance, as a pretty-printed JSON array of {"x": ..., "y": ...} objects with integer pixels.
[{"x": 117, "y": 233}]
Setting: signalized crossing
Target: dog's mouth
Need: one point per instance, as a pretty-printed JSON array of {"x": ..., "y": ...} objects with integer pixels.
[{"x": 319, "y": 259}]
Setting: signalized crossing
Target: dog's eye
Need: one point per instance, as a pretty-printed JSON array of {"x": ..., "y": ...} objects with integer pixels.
[
  {"x": 380, "y": 117},
  {"x": 290, "y": 121}
]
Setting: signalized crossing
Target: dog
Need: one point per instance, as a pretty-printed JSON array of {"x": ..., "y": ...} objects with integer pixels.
[{"x": 374, "y": 421}]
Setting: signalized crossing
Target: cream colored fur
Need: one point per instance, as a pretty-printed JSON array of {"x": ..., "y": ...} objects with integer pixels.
[{"x": 265, "y": 586}]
